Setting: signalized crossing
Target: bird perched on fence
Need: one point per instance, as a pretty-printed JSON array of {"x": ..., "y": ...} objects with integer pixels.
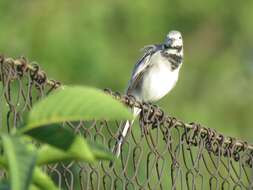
[{"x": 154, "y": 75}]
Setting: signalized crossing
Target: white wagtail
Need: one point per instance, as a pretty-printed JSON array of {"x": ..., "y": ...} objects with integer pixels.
[{"x": 154, "y": 75}]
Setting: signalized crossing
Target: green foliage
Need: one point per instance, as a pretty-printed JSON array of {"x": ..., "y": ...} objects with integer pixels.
[
  {"x": 22, "y": 159},
  {"x": 60, "y": 139},
  {"x": 49, "y": 154},
  {"x": 42, "y": 181},
  {"x": 76, "y": 103},
  {"x": 54, "y": 134},
  {"x": 63, "y": 138}
]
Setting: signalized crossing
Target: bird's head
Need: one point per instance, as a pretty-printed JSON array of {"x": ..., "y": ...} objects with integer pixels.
[{"x": 174, "y": 40}]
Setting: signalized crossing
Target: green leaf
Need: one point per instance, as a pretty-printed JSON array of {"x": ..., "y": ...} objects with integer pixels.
[
  {"x": 48, "y": 155},
  {"x": 66, "y": 146},
  {"x": 76, "y": 103},
  {"x": 79, "y": 150},
  {"x": 42, "y": 180},
  {"x": 63, "y": 138},
  {"x": 34, "y": 187},
  {"x": 55, "y": 135},
  {"x": 21, "y": 160}
]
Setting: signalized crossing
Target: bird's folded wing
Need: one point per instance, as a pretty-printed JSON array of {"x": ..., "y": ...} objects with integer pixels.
[{"x": 142, "y": 65}]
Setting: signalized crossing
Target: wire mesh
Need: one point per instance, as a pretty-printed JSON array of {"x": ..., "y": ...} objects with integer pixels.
[{"x": 160, "y": 152}]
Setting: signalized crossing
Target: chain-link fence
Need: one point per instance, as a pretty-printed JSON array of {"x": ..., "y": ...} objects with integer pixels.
[{"x": 160, "y": 152}]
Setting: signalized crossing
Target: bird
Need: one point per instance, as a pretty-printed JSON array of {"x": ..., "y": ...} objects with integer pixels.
[{"x": 154, "y": 75}]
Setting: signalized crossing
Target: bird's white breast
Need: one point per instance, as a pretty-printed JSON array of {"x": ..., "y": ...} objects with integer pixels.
[{"x": 160, "y": 78}]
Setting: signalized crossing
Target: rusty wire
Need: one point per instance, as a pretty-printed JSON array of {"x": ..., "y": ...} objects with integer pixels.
[{"x": 160, "y": 152}]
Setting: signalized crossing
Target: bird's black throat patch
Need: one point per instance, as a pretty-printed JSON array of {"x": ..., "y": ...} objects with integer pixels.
[{"x": 174, "y": 59}]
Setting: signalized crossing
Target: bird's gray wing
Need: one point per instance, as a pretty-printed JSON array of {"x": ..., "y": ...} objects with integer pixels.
[{"x": 142, "y": 65}]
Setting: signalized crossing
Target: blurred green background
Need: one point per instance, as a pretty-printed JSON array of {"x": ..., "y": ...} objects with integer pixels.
[{"x": 97, "y": 43}]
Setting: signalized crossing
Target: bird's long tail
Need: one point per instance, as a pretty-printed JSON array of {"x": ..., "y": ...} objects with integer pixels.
[{"x": 122, "y": 134}]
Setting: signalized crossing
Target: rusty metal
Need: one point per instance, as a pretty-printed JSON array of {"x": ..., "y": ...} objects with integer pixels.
[{"x": 160, "y": 152}]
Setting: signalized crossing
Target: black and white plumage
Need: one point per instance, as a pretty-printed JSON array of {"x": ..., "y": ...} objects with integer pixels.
[{"x": 154, "y": 75}]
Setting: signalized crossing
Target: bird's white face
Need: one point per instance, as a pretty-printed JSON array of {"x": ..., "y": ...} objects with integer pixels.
[{"x": 174, "y": 40}]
